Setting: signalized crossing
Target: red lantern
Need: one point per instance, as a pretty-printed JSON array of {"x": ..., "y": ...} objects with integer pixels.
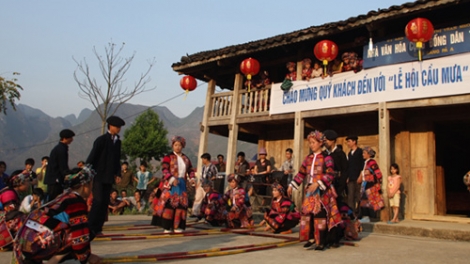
[
  {"x": 325, "y": 51},
  {"x": 249, "y": 67},
  {"x": 419, "y": 30},
  {"x": 188, "y": 83}
]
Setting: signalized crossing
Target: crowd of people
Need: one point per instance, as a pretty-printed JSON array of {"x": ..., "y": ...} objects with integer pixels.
[{"x": 337, "y": 189}]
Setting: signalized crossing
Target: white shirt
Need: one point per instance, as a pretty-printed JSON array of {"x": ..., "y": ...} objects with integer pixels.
[{"x": 181, "y": 166}]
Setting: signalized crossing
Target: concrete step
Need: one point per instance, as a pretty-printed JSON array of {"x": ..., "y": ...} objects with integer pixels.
[{"x": 432, "y": 229}]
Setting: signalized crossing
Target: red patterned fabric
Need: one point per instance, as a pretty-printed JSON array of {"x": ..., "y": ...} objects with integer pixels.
[
  {"x": 281, "y": 212},
  {"x": 213, "y": 207},
  {"x": 372, "y": 190},
  {"x": 9, "y": 199},
  {"x": 323, "y": 175},
  {"x": 239, "y": 213},
  {"x": 54, "y": 229}
]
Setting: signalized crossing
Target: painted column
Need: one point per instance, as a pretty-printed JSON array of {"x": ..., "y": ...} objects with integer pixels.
[
  {"x": 203, "y": 127},
  {"x": 233, "y": 126},
  {"x": 298, "y": 155},
  {"x": 384, "y": 154}
]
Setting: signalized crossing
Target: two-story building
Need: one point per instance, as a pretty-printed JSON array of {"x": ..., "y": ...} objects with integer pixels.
[{"x": 414, "y": 113}]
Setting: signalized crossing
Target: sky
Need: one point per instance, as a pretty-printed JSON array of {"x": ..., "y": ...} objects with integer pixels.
[{"x": 39, "y": 39}]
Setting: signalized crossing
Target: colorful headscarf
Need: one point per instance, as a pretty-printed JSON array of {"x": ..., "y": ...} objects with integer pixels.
[
  {"x": 18, "y": 178},
  {"x": 317, "y": 135},
  {"x": 233, "y": 177},
  {"x": 178, "y": 139},
  {"x": 79, "y": 177},
  {"x": 279, "y": 188},
  {"x": 306, "y": 60},
  {"x": 370, "y": 151}
]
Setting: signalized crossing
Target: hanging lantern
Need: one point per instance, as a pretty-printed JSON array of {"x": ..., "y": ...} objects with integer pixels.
[
  {"x": 419, "y": 30},
  {"x": 325, "y": 51},
  {"x": 188, "y": 83},
  {"x": 249, "y": 67}
]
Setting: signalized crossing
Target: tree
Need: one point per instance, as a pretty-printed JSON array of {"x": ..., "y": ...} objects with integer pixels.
[
  {"x": 146, "y": 138},
  {"x": 9, "y": 92},
  {"x": 108, "y": 98}
]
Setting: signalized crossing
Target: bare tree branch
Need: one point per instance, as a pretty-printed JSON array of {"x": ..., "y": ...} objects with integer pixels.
[{"x": 107, "y": 98}]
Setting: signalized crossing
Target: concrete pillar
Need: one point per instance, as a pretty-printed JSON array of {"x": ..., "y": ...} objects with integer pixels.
[
  {"x": 384, "y": 153},
  {"x": 204, "y": 128}
]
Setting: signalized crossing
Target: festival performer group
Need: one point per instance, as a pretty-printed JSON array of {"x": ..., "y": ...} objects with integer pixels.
[{"x": 63, "y": 227}]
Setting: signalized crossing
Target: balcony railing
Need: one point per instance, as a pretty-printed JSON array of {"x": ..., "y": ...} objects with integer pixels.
[{"x": 254, "y": 102}]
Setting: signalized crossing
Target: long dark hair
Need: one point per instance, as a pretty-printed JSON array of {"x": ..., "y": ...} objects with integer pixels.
[{"x": 394, "y": 165}]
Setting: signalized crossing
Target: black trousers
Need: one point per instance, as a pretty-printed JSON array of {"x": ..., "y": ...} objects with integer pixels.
[
  {"x": 54, "y": 190},
  {"x": 99, "y": 208}
]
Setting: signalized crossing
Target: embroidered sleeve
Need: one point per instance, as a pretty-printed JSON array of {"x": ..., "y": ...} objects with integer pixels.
[
  {"x": 79, "y": 232},
  {"x": 166, "y": 167},
  {"x": 303, "y": 172}
]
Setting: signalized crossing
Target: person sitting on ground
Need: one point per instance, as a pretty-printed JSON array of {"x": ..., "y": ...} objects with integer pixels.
[
  {"x": 59, "y": 230},
  {"x": 19, "y": 181},
  {"x": 212, "y": 206},
  {"x": 282, "y": 216},
  {"x": 32, "y": 201},
  {"x": 239, "y": 212},
  {"x": 135, "y": 202},
  {"x": 116, "y": 205}
]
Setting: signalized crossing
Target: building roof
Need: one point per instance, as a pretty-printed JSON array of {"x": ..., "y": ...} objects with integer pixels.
[{"x": 324, "y": 30}]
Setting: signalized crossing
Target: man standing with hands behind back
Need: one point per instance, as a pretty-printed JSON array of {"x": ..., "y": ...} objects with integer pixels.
[
  {"x": 105, "y": 160},
  {"x": 58, "y": 165},
  {"x": 356, "y": 165}
]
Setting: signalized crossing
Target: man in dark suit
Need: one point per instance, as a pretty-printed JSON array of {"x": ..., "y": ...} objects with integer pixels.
[
  {"x": 58, "y": 165},
  {"x": 340, "y": 162},
  {"x": 105, "y": 160},
  {"x": 356, "y": 165}
]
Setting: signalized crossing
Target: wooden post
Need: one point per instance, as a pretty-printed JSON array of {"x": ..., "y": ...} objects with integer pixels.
[
  {"x": 298, "y": 154},
  {"x": 233, "y": 126},
  {"x": 384, "y": 154},
  {"x": 204, "y": 129}
]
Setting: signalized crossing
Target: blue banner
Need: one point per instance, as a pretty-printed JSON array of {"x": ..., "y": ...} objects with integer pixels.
[{"x": 445, "y": 42}]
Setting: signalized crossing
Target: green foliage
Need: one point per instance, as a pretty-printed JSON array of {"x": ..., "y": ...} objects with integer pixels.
[
  {"x": 9, "y": 92},
  {"x": 146, "y": 138}
]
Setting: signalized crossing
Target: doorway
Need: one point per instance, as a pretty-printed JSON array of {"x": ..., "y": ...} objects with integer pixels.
[{"x": 452, "y": 163}]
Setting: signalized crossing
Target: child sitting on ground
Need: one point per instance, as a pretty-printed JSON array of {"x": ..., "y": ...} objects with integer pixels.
[
  {"x": 239, "y": 212},
  {"x": 282, "y": 216},
  {"x": 32, "y": 201}
]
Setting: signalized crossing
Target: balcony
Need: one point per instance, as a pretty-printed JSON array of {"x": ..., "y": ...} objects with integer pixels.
[{"x": 253, "y": 103}]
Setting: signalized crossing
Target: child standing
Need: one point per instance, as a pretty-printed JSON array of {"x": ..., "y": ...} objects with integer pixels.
[
  {"x": 143, "y": 179},
  {"x": 394, "y": 182}
]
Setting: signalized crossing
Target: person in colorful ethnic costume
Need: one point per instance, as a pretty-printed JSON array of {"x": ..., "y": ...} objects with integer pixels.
[
  {"x": 239, "y": 212},
  {"x": 59, "y": 229},
  {"x": 319, "y": 209},
  {"x": 212, "y": 206},
  {"x": 10, "y": 217},
  {"x": 177, "y": 174},
  {"x": 371, "y": 185},
  {"x": 282, "y": 216}
]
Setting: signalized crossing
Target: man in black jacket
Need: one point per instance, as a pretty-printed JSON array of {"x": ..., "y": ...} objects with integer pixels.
[
  {"x": 105, "y": 160},
  {"x": 58, "y": 165},
  {"x": 356, "y": 165},
  {"x": 340, "y": 162}
]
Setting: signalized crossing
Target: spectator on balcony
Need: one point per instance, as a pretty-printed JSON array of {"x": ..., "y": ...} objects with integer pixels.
[
  {"x": 336, "y": 67},
  {"x": 306, "y": 69},
  {"x": 317, "y": 71},
  {"x": 292, "y": 74}
]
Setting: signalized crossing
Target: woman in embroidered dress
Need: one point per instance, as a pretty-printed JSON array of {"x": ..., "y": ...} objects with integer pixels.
[
  {"x": 59, "y": 229},
  {"x": 282, "y": 216},
  {"x": 239, "y": 212},
  {"x": 319, "y": 210},
  {"x": 371, "y": 185},
  {"x": 212, "y": 205},
  {"x": 177, "y": 174}
]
